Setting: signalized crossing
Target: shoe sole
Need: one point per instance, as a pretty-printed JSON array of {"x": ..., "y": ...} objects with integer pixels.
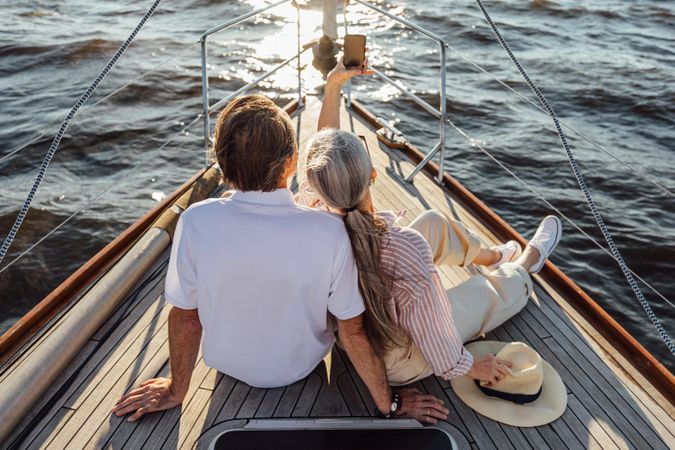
[{"x": 555, "y": 244}]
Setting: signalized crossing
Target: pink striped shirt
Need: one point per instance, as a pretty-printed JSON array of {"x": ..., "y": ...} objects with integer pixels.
[{"x": 418, "y": 300}]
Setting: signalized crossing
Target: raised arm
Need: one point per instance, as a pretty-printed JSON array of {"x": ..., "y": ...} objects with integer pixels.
[{"x": 330, "y": 108}]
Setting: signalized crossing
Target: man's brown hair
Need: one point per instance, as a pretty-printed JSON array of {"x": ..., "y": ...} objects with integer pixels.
[{"x": 253, "y": 142}]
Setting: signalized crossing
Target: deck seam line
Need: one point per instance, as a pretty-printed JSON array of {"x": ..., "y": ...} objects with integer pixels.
[
  {"x": 274, "y": 411},
  {"x": 612, "y": 385},
  {"x": 97, "y": 366},
  {"x": 585, "y": 426},
  {"x": 140, "y": 370},
  {"x": 503, "y": 330},
  {"x": 316, "y": 396},
  {"x": 183, "y": 406},
  {"x": 295, "y": 404},
  {"x": 152, "y": 430},
  {"x": 255, "y": 413},
  {"x": 349, "y": 373},
  {"x": 470, "y": 437},
  {"x": 115, "y": 348},
  {"x": 214, "y": 423},
  {"x": 339, "y": 389}
]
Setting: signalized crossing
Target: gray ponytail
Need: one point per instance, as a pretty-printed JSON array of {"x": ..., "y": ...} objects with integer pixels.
[{"x": 339, "y": 170}]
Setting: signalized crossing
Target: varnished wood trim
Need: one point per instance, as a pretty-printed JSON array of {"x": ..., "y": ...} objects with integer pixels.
[{"x": 609, "y": 328}]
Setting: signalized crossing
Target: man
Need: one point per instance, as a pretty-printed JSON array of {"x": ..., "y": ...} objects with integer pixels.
[{"x": 262, "y": 278}]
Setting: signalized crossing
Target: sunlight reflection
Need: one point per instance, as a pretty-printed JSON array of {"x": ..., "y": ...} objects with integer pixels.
[
  {"x": 261, "y": 52},
  {"x": 272, "y": 37}
]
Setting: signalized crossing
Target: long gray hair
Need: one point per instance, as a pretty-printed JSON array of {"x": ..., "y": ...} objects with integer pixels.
[{"x": 339, "y": 170}]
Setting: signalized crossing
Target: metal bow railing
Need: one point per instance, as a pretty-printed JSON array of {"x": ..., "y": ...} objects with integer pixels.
[
  {"x": 208, "y": 109},
  {"x": 438, "y": 112}
]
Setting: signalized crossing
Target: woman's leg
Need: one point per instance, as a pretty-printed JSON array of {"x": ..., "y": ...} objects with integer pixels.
[
  {"x": 406, "y": 364},
  {"x": 451, "y": 242},
  {"x": 484, "y": 302},
  {"x": 479, "y": 305}
]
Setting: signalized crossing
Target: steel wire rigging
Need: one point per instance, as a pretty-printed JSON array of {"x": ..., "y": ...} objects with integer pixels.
[
  {"x": 582, "y": 185},
  {"x": 64, "y": 125}
]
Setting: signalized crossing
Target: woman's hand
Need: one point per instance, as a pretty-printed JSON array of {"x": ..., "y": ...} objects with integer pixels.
[
  {"x": 340, "y": 74},
  {"x": 422, "y": 407},
  {"x": 489, "y": 368},
  {"x": 330, "y": 106},
  {"x": 153, "y": 395}
]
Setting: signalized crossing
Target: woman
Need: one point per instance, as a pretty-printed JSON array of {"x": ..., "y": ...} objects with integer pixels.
[{"x": 412, "y": 322}]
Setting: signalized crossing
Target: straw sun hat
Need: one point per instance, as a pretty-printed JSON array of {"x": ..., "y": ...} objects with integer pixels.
[{"x": 532, "y": 394}]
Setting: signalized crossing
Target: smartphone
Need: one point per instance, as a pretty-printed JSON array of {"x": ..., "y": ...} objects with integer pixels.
[{"x": 355, "y": 51}]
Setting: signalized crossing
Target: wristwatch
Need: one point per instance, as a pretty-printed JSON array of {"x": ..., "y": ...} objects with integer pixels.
[{"x": 396, "y": 405}]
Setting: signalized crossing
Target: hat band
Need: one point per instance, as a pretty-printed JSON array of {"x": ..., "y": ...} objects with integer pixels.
[{"x": 520, "y": 399}]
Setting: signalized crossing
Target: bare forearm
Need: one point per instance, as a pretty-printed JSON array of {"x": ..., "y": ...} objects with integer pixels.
[
  {"x": 370, "y": 368},
  {"x": 185, "y": 332},
  {"x": 330, "y": 108}
]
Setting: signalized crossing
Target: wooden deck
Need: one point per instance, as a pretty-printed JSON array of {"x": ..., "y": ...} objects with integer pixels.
[{"x": 610, "y": 404}]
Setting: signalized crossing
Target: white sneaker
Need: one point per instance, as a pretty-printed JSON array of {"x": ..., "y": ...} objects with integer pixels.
[
  {"x": 510, "y": 252},
  {"x": 545, "y": 240}
]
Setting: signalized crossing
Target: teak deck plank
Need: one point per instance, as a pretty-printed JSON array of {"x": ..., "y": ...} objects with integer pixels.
[
  {"x": 510, "y": 331},
  {"x": 608, "y": 407},
  {"x": 123, "y": 334},
  {"x": 580, "y": 347},
  {"x": 620, "y": 395},
  {"x": 97, "y": 407}
]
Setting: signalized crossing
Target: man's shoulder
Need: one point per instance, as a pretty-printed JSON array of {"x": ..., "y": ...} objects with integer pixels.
[
  {"x": 316, "y": 215},
  {"x": 308, "y": 216},
  {"x": 204, "y": 207}
]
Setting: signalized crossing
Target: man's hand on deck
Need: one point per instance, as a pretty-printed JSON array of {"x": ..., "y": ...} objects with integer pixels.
[
  {"x": 421, "y": 407},
  {"x": 153, "y": 395}
]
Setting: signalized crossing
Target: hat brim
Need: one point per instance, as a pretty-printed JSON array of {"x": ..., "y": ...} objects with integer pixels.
[{"x": 548, "y": 407}]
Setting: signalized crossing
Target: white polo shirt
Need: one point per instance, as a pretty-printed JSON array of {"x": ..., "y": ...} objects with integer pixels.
[{"x": 264, "y": 273}]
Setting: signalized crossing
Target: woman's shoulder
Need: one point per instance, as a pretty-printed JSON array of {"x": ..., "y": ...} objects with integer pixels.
[{"x": 407, "y": 256}]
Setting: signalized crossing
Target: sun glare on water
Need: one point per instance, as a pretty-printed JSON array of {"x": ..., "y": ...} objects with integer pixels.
[{"x": 258, "y": 53}]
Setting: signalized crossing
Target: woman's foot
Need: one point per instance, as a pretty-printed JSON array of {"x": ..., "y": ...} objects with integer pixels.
[
  {"x": 510, "y": 251},
  {"x": 541, "y": 245}
]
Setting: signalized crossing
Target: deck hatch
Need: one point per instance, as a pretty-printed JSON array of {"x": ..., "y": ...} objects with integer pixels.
[{"x": 335, "y": 439}]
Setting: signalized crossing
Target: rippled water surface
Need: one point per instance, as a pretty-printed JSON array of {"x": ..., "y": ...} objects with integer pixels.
[{"x": 608, "y": 68}]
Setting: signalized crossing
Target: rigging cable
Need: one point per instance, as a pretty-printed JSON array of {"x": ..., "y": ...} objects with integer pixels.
[
  {"x": 582, "y": 185},
  {"x": 583, "y": 136},
  {"x": 64, "y": 125},
  {"x": 110, "y": 187},
  {"x": 474, "y": 143}
]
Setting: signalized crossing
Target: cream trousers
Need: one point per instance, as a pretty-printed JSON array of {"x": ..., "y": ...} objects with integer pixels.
[{"x": 479, "y": 304}]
